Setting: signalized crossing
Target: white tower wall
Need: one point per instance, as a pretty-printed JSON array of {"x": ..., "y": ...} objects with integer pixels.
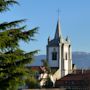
[
  {"x": 53, "y": 63},
  {"x": 62, "y": 47},
  {"x": 66, "y": 61}
]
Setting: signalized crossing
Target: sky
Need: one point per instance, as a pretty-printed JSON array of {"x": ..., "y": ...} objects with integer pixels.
[{"x": 74, "y": 19}]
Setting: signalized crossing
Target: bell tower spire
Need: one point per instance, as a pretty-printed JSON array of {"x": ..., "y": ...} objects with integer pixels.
[
  {"x": 58, "y": 30},
  {"x": 59, "y": 54}
]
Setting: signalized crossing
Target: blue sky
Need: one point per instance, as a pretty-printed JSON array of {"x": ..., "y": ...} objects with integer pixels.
[{"x": 74, "y": 17}]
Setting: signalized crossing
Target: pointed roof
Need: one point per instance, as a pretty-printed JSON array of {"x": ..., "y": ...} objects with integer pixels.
[
  {"x": 58, "y": 30},
  {"x": 58, "y": 37}
]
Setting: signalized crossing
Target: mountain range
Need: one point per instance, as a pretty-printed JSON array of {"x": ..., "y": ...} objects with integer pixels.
[{"x": 80, "y": 59}]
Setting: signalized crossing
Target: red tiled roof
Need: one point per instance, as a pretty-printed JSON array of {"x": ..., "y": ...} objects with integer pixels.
[
  {"x": 35, "y": 68},
  {"x": 76, "y": 79},
  {"x": 38, "y": 68}
]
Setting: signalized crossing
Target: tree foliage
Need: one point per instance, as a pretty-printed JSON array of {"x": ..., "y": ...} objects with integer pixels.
[
  {"x": 46, "y": 65},
  {"x": 32, "y": 83},
  {"x": 12, "y": 58},
  {"x": 46, "y": 70}
]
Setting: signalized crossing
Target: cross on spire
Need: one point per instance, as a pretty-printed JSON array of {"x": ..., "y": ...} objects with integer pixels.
[
  {"x": 58, "y": 28},
  {"x": 58, "y": 12}
]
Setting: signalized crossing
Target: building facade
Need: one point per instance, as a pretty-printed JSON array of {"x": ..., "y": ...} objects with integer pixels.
[{"x": 59, "y": 54}]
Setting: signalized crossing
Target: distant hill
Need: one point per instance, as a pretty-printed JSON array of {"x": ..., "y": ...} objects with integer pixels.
[
  {"x": 37, "y": 60},
  {"x": 81, "y": 59}
]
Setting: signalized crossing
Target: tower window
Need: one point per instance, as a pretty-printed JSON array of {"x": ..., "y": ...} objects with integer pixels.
[
  {"x": 66, "y": 56},
  {"x": 54, "y": 55}
]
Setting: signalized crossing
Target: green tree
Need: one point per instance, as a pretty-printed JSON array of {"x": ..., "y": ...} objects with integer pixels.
[
  {"x": 13, "y": 71},
  {"x": 48, "y": 83},
  {"x": 46, "y": 65},
  {"x": 32, "y": 82}
]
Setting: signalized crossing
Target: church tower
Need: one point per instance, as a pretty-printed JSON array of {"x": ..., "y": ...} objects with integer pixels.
[{"x": 59, "y": 54}]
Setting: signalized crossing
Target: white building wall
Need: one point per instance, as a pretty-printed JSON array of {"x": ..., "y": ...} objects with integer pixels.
[
  {"x": 57, "y": 75},
  {"x": 53, "y": 63},
  {"x": 70, "y": 60},
  {"x": 66, "y": 61},
  {"x": 66, "y": 67}
]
